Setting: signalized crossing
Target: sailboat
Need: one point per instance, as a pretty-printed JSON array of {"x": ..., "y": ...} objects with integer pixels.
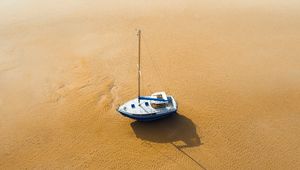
[{"x": 148, "y": 108}]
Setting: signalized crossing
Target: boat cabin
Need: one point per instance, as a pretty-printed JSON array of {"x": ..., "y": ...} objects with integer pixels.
[{"x": 159, "y": 104}]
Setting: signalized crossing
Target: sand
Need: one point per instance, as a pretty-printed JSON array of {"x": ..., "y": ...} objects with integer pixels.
[{"x": 233, "y": 67}]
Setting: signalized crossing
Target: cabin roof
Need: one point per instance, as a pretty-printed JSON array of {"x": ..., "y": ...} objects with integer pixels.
[{"x": 160, "y": 95}]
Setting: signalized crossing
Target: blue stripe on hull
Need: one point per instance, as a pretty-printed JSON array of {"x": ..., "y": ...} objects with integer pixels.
[
  {"x": 147, "y": 118},
  {"x": 151, "y": 98}
]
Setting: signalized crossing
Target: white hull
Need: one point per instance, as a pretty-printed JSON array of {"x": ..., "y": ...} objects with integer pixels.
[{"x": 145, "y": 111}]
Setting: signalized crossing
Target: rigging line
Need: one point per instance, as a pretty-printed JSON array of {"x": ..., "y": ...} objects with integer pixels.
[
  {"x": 151, "y": 59},
  {"x": 152, "y": 62},
  {"x": 201, "y": 166},
  {"x": 143, "y": 85},
  {"x": 127, "y": 53},
  {"x": 161, "y": 153},
  {"x": 142, "y": 78}
]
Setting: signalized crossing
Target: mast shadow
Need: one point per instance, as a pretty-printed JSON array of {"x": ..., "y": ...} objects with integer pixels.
[{"x": 168, "y": 130}]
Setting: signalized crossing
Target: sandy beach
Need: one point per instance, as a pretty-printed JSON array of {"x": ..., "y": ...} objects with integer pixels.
[{"x": 233, "y": 67}]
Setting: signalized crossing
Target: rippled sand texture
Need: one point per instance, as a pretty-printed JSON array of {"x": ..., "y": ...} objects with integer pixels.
[{"x": 234, "y": 68}]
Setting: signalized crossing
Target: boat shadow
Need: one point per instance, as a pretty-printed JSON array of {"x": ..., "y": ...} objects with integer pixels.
[{"x": 168, "y": 130}]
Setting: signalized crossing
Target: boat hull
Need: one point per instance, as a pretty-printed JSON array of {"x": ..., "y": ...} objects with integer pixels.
[
  {"x": 147, "y": 117},
  {"x": 145, "y": 109}
]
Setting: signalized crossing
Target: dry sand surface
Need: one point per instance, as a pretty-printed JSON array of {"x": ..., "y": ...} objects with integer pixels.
[{"x": 234, "y": 68}]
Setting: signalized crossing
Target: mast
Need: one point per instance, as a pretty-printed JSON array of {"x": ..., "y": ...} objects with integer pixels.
[{"x": 139, "y": 64}]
